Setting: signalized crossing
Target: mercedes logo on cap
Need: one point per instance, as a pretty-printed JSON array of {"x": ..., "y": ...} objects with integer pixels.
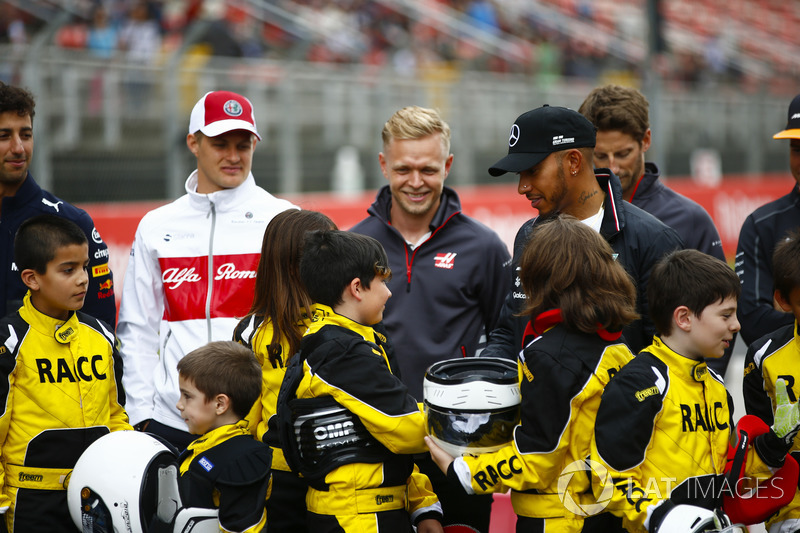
[{"x": 514, "y": 135}]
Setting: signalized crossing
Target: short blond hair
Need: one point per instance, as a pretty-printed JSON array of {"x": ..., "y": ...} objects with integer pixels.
[{"x": 414, "y": 122}]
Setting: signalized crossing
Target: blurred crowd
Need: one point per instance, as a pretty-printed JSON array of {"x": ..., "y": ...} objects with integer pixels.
[{"x": 600, "y": 39}]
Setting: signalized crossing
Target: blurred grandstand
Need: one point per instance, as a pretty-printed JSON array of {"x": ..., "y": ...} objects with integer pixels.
[{"x": 115, "y": 80}]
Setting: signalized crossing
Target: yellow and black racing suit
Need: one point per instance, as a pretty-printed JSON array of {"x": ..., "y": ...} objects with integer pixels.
[
  {"x": 227, "y": 469},
  {"x": 287, "y": 505},
  {"x": 59, "y": 391},
  {"x": 770, "y": 358},
  {"x": 563, "y": 373},
  {"x": 663, "y": 431},
  {"x": 345, "y": 361}
]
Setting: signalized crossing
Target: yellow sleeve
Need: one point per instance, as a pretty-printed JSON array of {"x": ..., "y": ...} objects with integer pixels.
[
  {"x": 508, "y": 469},
  {"x": 421, "y": 498}
]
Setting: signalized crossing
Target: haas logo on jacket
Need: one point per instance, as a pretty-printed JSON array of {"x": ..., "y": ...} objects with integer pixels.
[{"x": 446, "y": 260}]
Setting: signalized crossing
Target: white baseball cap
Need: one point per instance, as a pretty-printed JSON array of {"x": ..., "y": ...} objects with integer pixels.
[{"x": 219, "y": 112}]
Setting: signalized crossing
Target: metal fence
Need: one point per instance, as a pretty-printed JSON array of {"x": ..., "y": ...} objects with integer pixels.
[{"x": 111, "y": 131}]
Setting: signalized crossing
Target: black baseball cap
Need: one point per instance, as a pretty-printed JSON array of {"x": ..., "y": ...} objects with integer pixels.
[
  {"x": 792, "y": 130},
  {"x": 540, "y": 132}
]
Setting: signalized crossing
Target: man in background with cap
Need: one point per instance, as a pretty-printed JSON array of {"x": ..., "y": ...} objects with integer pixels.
[
  {"x": 193, "y": 263},
  {"x": 761, "y": 231},
  {"x": 551, "y": 149}
]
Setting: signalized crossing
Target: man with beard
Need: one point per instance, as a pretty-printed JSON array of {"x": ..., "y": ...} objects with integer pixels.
[
  {"x": 762, "y": 231},
  {"x": 622, "y": 118},
  {"x": 21, "y": 198},
  {"x": 551, "y": 149}
]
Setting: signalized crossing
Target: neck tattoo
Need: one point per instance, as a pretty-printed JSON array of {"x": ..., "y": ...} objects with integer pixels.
[{"x": 585, "y": 196}]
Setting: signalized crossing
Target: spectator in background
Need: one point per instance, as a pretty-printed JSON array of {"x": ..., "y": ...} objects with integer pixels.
[
  {"x": 193, "y": 263},
  {"x": 101, "y": 42},
  {"x": 22, "y": 198},
  {"x": 761, "y": 231},
  {"x": 140, "y": 39},
  {"x": 450, "y": 271},
  {"x": 622, "y": 119},
  {"x": 102, "y": 39}
]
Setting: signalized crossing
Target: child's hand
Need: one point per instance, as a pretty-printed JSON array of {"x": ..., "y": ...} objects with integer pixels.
[
  {"x": 787, "y": 414},
  {"x": 439, "y": 456},
  {"x": 430, "y": 525}
]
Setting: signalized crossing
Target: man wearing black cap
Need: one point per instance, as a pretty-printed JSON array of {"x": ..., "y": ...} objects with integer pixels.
[
  {"x": 761, "y": 231},
  {"x": 551, "y": 149}
]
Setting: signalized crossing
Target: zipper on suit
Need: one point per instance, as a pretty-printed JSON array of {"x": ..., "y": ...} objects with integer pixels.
[
  {"x": 210, "y": 291},
  {"x": 410, "y": 261}
]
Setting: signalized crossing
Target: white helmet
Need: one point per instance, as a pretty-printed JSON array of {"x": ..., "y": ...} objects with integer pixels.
[
  {"x": 115, "y": 483},
  {"x": 686, "y": 518},
  {"x": 472, "y": 404}
]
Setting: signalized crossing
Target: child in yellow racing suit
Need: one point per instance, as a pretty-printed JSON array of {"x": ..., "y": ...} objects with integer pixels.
[
  {"x": 346, "y": 422},
  {"x": 60, "y": 377},
  {"x": 776, "y": 356},
  {"x": 579, "y": 299},
  {"x": 279, "y": 315},
  {"x": 665, "y": 423},
  {"x": 225, "y": 468}
]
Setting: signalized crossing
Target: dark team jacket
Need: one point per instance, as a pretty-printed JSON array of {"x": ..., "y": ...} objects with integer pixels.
[
  {"x": 564, "y": 372},
  {"x": 446, "y": 293},
  {"x": 680, "y": 213},
  {"x": 688, "y": 218},
  {"x": 32, "y": 200},
  {"x": 639, "y": 239},
  {"x": 761, "y": 231},
  {"x": 227, "y": 469}
]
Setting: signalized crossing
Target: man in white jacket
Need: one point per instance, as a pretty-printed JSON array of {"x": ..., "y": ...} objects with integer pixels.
[{"x": 193, "y": 263}]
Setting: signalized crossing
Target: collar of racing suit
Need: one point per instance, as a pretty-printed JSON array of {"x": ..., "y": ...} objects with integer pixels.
[{"x": 62, "y": 331}]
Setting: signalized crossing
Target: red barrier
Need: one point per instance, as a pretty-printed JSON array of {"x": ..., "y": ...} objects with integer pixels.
[{"x": 497, "y": 206}]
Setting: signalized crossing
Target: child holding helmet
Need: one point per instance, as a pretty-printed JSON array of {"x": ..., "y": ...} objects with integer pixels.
[{"x": 579, "y": 298}]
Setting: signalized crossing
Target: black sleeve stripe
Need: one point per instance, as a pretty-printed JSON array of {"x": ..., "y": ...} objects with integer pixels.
[{"x": 628, "y": 410}]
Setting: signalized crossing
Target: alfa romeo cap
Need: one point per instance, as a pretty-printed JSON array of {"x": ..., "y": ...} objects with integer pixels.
[
  {"x": 540, "y": 132},
  {"x": 219, "y": 112},
  {"x": 792, "y": 130}
]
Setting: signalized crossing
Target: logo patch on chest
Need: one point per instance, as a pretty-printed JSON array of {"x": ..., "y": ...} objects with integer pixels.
[
  {"x": 446, "y": 260},
  {"x": 206, "y": 464}
]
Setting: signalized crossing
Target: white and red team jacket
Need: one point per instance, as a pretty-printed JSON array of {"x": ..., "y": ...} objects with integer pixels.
[{"x": 190, "y": 278}]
